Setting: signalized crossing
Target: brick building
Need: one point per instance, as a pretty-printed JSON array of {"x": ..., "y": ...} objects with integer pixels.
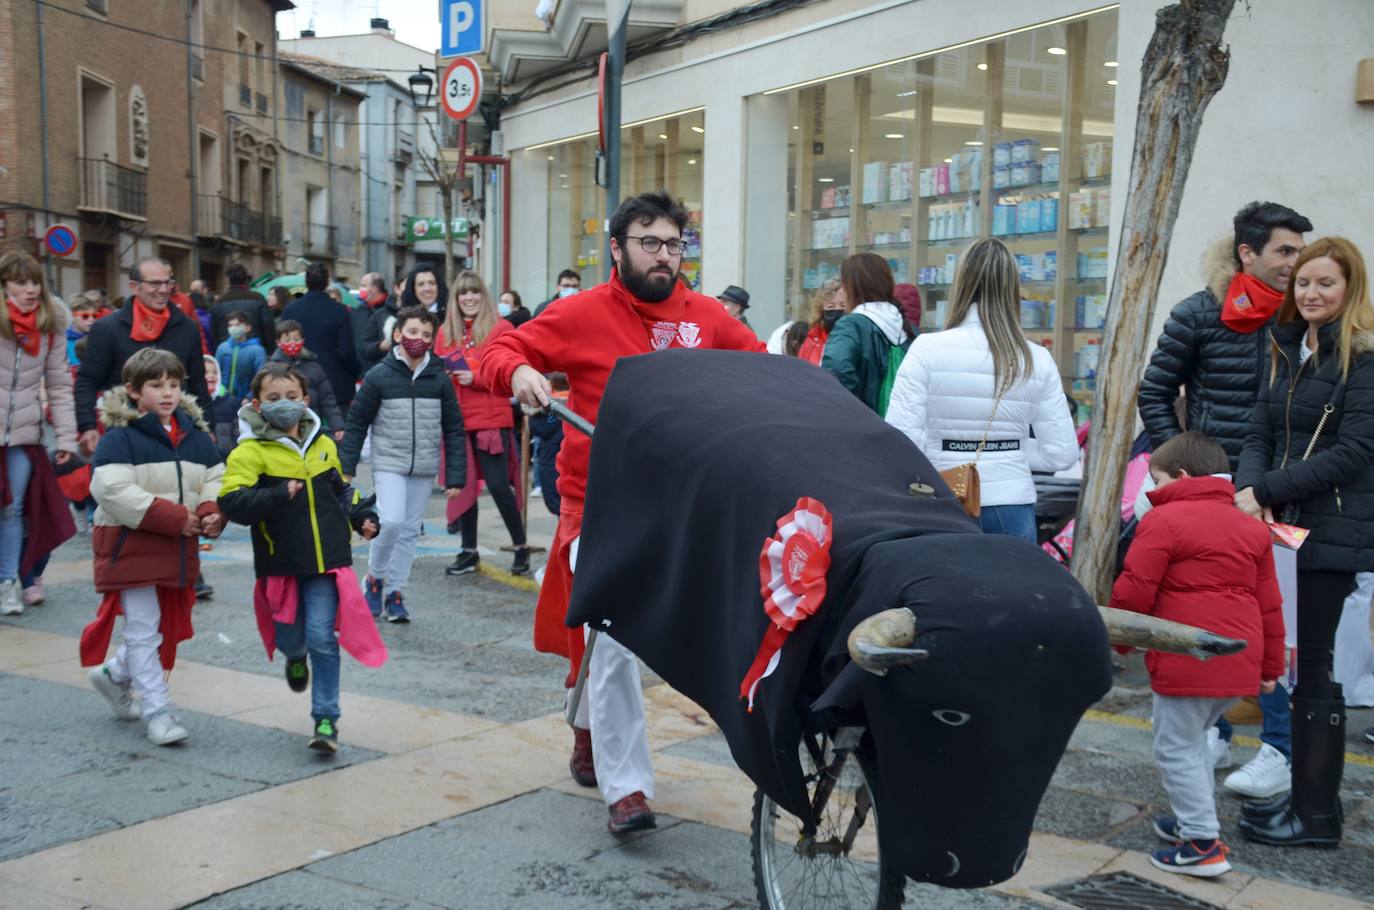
[{"x": 148, "y": 128}]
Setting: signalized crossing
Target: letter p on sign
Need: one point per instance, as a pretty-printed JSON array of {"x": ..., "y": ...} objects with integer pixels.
[{"x": 462, "y": 28}]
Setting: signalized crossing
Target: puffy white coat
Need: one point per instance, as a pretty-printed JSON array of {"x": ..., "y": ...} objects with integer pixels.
[{"x": 942, "y": 398}]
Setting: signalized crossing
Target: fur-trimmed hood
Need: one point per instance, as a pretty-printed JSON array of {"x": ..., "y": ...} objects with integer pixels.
[
  {"x": 1219, "y": 265},
  {"x": 118, "y": 410}
]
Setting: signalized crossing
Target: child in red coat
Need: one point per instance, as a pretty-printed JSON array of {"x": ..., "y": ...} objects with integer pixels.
[{"x": 1197, "y": 559}]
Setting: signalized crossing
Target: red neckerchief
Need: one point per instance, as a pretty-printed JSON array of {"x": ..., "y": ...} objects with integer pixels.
[
  {"x": 148, "y": 322},
  {"x": 376, "y": 300},
  {"x": 25, "y": 328},
  {"x": 175, "y": 432},
  {"x": 1249, "y": 304}
]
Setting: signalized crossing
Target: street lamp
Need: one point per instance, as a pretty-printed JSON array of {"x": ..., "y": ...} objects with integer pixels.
[{"x": 421, "y": 82}]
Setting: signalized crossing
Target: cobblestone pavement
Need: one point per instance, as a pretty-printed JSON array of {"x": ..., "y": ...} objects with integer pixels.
[{"x": 452, "y": 788}]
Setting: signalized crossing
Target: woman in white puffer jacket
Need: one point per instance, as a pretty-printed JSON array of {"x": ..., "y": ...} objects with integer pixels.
[{"x": 944, "y": 395}]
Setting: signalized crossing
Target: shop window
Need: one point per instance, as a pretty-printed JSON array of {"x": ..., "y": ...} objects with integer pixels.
[
  {"x": 661, "y": 154},
  {"x": 1010, "y": 139}
]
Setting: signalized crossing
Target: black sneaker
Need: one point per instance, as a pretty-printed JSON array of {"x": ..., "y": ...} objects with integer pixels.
[
  {"x": 297, "y": 674},
  {"x": 326, "y": 738},
  {"x": 1369, "y": 734},
  {"x": 466, "y": 561},
  {"x": 204, "y": 591},
  {"x": 521, "y": 566}
]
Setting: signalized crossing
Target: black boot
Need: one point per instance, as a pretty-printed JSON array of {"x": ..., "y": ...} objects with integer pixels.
[
  {"x": 1257, "y": 809},
  {"x": 521, "y": 565},
  {"x": 1312, "y": 817}
]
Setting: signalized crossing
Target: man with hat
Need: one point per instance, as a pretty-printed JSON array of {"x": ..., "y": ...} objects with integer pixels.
[{"x": 736, "y": 301}]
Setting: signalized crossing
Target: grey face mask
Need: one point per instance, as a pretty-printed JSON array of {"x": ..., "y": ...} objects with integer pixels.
[{"x": 282, "y": 413}]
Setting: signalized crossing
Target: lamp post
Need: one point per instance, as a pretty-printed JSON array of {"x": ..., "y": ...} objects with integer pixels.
[{"x": 422, "y": 82}]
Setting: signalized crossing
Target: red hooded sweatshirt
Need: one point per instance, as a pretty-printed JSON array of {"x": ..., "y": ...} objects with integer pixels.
[
  {"x": 585, "y": 334},
  {"x": 1197, "y": 559}
]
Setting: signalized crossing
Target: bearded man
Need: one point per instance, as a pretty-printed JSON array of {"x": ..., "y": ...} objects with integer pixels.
[{"x": 644, "y": 308}]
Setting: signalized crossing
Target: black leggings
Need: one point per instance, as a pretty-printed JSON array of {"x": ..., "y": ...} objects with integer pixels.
[
  {"x": 498, "y": 484},
  {"x": 1321, "y": 597}
]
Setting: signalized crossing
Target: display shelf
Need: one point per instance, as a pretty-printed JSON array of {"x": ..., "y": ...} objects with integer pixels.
[
  {"x": 1041, "y": 188},
  {"x": 827, "y": 249},
  {"x": 1088, "y": 329},
  {"x": 1032, "y": 235},
  {"x": 949, "y": 241},
  {"x": 1093, "y": 181},
  {"x": 1086, "y": 231},
  {"x": 837, "y": 212},
  {"x": 884, "y": 247},
  {"x": 947, "y": 197}
]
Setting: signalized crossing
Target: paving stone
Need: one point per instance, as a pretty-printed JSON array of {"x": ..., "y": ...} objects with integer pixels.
[
  {"x": 710, "y": 748},
  {"x": 307, "y": 891},
  {"x": 27, "y": 825},
  {"x": 140, "y": 788},
  {"x": 1070, "y": 813}
]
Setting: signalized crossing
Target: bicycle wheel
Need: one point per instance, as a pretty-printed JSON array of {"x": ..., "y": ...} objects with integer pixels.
[{"x": 839, "y": 865}]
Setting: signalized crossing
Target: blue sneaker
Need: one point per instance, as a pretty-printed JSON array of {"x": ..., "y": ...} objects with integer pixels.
[
  {"x": 396, "y": 608},
  {"x": 1204, "y": 859},
  {"x": 372, "y": 590},
  {"x": 1166, "y": 826}
]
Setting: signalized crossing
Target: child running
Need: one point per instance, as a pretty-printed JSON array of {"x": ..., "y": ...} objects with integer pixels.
[
  {"x": 156, "y": 475},
  {"x": 1199, "y": 560},
  {"x": 408, "y": 403},
  {"x": 283, "y": 481}
]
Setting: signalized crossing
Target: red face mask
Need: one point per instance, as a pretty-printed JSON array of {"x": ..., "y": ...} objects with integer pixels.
[
  {"x": 291, "y": 349},
  {"x": 415, "y": 347}
]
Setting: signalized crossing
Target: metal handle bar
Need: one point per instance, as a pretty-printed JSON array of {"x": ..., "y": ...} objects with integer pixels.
[{"x": 570, "y": 417}]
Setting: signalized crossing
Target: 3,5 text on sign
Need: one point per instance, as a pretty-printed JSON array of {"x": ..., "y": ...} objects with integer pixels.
[{"x": 461, "y": 88}]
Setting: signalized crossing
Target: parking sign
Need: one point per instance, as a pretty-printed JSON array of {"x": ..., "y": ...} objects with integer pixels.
[{"x": 461, "y": 32}]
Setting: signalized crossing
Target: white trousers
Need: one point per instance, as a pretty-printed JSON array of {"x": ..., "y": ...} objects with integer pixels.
[
  {"x": 612, "y": 705},
  {"x": 1353, "y": 662},
  {"x": 137, "y": 660},
  {"x": 401, "y": 501}
]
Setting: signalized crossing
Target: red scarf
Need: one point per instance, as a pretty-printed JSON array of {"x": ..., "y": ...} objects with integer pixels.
[
  {"x": 25, "y": 328},
  {"x": 1249, "y": 304},
  {"x": 148, "y": 322}
]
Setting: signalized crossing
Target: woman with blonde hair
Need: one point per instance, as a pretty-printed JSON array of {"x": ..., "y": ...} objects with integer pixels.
[
  {"x": 978, "y": 391},
  {"x": 33, "y": 354},
  {"x": 1307, "y": 461},
  {"x": 827, "y": 306},
  {"x": 469, "y": 325}
]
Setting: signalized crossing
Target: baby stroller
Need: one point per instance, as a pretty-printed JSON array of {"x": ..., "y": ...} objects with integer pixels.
[{"x": 1056, "y": 503}]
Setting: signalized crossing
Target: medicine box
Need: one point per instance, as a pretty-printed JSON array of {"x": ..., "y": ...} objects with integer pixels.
[
  {"x": 1001, "y": 154},
  {"x": 1025, "y": 151},
  {"x": 875, "y": 182}
]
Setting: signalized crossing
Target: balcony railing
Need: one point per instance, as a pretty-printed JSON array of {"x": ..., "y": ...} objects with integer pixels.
[
  {"x": 321, "y": 239},
  {"x": 262, "y": 103},
  {"x": 317, "y": 145},
  {"x": 245, "y": 95},
  {"x": 109, "y": 187},
  {"x": 220, "y": 217}
]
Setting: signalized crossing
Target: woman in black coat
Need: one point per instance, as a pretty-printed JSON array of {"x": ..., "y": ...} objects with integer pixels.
[{"x": 1309, "y": 461}]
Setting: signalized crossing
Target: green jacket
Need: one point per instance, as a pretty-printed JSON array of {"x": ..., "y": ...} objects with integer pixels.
[
  {"x": 305, "y": 534},
  {"x": 858, "y": 349}
]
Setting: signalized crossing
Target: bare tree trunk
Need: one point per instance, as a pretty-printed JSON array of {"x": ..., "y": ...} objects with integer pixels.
[
  {"x": 1183, "y": 67},
  {"x": 445, "y": 181},
  {"x": 447, "y": 200}
]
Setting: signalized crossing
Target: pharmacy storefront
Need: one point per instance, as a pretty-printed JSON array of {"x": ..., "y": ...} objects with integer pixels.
[{"x": 907, "y": 129}]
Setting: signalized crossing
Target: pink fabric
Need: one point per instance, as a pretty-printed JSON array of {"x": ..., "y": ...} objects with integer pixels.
[
  {"x": 276, "y": 598},
  {"x": 458, "y": 505}
]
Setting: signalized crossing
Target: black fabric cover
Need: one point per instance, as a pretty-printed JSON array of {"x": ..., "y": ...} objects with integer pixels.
[{"x": 697, "y": 454}]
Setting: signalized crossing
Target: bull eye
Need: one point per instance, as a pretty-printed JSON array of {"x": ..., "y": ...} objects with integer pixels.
[
  {"x": 954, "y": 865},
  {"x": 952, "y": 717}
]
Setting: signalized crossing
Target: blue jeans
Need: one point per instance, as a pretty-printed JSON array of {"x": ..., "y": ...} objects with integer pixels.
[
  {"x": 313, "y": 632},
  {"x": 12, "y": 517},
  {"x": 1014, "y": 521},
  {"x": 1278, "y": 719}
]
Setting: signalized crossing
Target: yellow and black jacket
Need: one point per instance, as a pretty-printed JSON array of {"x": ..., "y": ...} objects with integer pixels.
[{"x": 308, "y": 534}]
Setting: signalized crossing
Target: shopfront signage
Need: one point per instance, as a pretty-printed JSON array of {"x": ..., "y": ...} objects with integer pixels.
[
  {"x": 461, "y": 31},
  {"x": 461, "y": 88},
  {"x": 420, "y": 229}
]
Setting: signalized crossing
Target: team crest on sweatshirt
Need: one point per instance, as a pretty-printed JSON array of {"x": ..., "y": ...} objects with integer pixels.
[
  {"x": 690, "y": 334},
  {"x": 662, "y": 334}
]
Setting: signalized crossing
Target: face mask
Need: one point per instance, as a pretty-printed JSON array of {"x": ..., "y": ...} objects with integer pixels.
[
  {"x": 282, "y": 413},
  {"x": 567, "y": 292},
  {"x": 238, "y": 331},
  {"x": 830, "y": 317},
  {"x": 415, "y": 347},
  {"x": 503, "y": 309},
  {"x": 291, "y": 348}
]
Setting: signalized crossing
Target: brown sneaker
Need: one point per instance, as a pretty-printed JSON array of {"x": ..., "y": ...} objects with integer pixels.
[
  {"x": 1246, "y": 711},
  {"x": 631, "y": 814},
  {"x": 583, "y": 771}
]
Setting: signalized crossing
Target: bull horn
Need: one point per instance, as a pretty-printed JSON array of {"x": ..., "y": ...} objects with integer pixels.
[
  {"x": 881, "y": 641},
  {"x": 1151, "y": 633}
]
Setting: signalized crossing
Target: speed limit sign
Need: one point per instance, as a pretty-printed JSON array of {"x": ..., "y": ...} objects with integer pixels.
[{"x": 461, "y": 88}]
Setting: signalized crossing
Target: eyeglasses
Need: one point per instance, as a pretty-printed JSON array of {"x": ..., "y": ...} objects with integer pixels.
[
  {"x": 651, "y": 244},
  {"x": 158, "y": 284}
]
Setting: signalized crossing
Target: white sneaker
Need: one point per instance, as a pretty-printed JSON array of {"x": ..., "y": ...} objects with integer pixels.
[
  {"x": 1218, "y": 750},
  {"x": 163, "y": 729},
  {"x": 11, "y": 598},
  {"x": 1267, "y": 774},
  {"x": 121, "y": 698}
]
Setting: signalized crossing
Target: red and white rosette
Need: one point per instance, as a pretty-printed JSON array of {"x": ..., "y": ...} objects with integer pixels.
[{"x": 792, "y": 569}]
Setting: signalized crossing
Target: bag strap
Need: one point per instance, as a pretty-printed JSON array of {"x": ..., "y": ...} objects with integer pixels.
[
  {"x": 1337, "y": 399},
  {"x": 987, "y": 430}
]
